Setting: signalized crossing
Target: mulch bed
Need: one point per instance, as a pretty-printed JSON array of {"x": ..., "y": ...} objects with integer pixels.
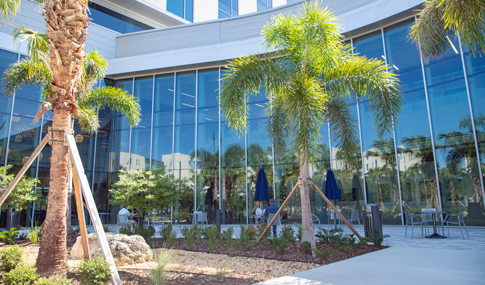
[{"x": 293, "y": 252}]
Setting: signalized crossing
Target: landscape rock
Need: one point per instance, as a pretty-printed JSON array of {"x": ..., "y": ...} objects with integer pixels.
[
  {"x": 127, "y": 250},
  {"x": 77, "y": 248}
]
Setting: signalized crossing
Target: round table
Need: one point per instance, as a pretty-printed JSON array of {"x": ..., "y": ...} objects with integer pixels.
[{"x": 433, "y": 217}]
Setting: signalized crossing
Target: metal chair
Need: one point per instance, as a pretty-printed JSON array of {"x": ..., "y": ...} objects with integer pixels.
[
  {"x": 121, "y": 221},
  {"x": 276, "y": 223},
  {"x": 460, "y": 221},
  {"x": 315, "y": 219},
  {"x": 202, "y": 218},
  {"x": 354, "y": 217},
  {"x": 334, "y": 218},
  {"x": 410, "y": 221}
]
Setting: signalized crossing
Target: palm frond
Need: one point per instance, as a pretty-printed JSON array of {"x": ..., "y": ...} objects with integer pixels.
[
  {"x": 27, "y": 71},
  {"x": 368, "y": 78},
  {"x": 342, "y": 126},
  {"x": 9, "y": 8},
  {"x": 94, "y": 68},
  {"x": 115, "y": 98},
  {"x": 278, "y": 124},
  {"x": 88, "y": 120},
  {"x": 36, "y": 43}
]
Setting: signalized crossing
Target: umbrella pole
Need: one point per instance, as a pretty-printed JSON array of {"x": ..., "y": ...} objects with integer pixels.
[
  {"x": 335, "y": 209},
  {"x": 279, "y": 211}
]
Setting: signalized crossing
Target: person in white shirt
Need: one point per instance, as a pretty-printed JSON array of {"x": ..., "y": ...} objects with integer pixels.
[
  {"x": 259, "y": 213},
  {"x": 129, "y": 216}
]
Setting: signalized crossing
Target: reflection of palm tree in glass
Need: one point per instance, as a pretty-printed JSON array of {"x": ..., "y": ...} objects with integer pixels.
[
  {"x": 321, "y": 164},
  {"x": 234, "y": 177},
  {"x": 346, "y": 169},
  {"x": 422, "y": 148},
  {"x": 208, "y": 172},
  {"x": 384, "y": 149},
  {"x": 462, "y": 148},
  {"x": 376, "y": 174}
]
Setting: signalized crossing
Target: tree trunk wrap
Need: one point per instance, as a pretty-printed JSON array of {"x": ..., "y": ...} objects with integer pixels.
[{"x": 306, "y": 214}]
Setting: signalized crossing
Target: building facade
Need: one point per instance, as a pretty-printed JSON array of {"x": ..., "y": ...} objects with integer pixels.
[{"x": 434, "y": 158}]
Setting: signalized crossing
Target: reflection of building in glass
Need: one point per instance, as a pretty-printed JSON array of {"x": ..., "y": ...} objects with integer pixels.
[{"x": 434, "y": 157}]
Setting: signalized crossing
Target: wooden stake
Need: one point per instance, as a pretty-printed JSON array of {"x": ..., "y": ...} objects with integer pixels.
[
  {"x": 93, "y": 212},
  {"x": 26, "y": 166},
  {"x": 80, "y": 215},
  {"x": 279, "y": 211},
  {"x": 335, "y": 209}
]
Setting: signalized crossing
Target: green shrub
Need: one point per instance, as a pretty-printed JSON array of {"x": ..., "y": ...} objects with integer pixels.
[
  {"x": 260, "y": 229},
  {"x": 300, "y": 231},
  {"x": 53, "y": 280},
  {"x": 34, "y": 234},
  {"x": 189, "y": 234},
  {"x": 307, "y": 246},
  {"x": 22, "y": 274},
  {"x": 10, "y": 257},
  {"x": 158, "y": 275},
  {"x": 146, "y": 233},
  {"x": 165, "y": 231},
  {"x": 326, "y": 253},
  {"x": 211, "y": 232},
  {"x": 227, "y": 236},
  {"x": 279, "y": 244},
  {"x": 8, "y": 236},
  {"x": 126, "y": 230},
  {"x": 172, "y": 238},
  {"x": 95, "y": 271},
  {"x": 288, "y": 233}
]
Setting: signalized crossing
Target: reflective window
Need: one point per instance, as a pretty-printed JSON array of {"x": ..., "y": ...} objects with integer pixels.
[
  {"x": 264, "y": 4},
  {"x": 182, "y": 8},
  {"x": 228, "y": 8},
  {"x": 114, "y": 21},
  {"x": 369, "y": 46}
]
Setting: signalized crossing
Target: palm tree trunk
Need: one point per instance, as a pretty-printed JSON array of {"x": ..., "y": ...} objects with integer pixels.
[
  {"x": 67, "y": 24},
  {"x": 383, "y": 207},
  {"x": 52, "y": 257},
  {"x": 306, "y": 214}
]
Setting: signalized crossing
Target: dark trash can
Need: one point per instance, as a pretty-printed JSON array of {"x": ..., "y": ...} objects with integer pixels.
[
  {"x": 372, "y": 221},
  {"x": 13, "y": 220}
]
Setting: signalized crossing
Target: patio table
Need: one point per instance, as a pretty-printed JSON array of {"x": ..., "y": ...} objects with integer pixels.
[
  {"x": 433, "y": 217},
  {"x": 333, "y": 216},
  {"x": 255, "y": 217}
]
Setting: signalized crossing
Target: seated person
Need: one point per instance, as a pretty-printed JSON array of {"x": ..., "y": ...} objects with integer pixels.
[
  {"x": 259, "y": 214},
  {"x": 129, "y": 216},
  {"x": 272, "y": 208}
]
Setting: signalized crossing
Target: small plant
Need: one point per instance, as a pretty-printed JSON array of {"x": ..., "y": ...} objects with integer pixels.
[
  {"x": 260, "y": 229},
  {"x": 227, "y": 236},
  {"x": 10, "y": 258},
  {"x": 363, "y": 241},
  {"x": 146, "y": 233},
  {"x": 329, "y": 235},
  {"x": 172, "y": 238},
  {"x": 189, "y": 234},
  {"x": 8, "y": 236},
  {"x": 165, "y": 231},
  {"x": 279, "y": 244},
  {"x": 106, "y": 229},
  {"x": 211, "y": 232},
  {"x": 22, "y": 236},
  {"x": 377, "y": 240},
  {"x": 125, "y": 230},
  {"x": 221, "y": 270},
  {"x": 95, "y": 271},
  {"x": 158, "y": 275},
  {"x": 245, "y": 236},
  {"x": 306, "y": 246},
  {"x": 325, "y": 254},
  {"x": 300, "y": 230},
  {"x": 76, "y": 231},
  {"x": 22, "y": 274},
  {"x": 298, "y": 254},
  {"x": 288, "y": 233},
  {"x": 53, "y": 280},
  {"x": 34, "y": 234}
]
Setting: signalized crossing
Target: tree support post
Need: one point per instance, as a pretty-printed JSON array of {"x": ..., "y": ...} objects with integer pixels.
[
  {"x": 335, "y": 210},
  {"x": 80, "y": 215},
  {"x": 279, "y": 211},
  {"x": 91, "y": 206}
]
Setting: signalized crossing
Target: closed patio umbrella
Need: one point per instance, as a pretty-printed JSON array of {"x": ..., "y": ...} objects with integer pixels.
[
  {"x": 262, "y": 192},
  {"x": 331, "y": 187}
]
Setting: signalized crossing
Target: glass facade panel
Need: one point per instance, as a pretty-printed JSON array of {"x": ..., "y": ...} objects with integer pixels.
[{"x": 369, "y": 46}]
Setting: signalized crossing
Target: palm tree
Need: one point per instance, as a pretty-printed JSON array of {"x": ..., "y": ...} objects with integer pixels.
[
  {"x": 306, "y": 75},
  {"x": 441, "y": 18},
  {"x": 58, "y": 63}
]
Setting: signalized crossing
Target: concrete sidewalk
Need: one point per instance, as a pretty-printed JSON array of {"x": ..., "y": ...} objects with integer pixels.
[{"x": 397, "y": 265}]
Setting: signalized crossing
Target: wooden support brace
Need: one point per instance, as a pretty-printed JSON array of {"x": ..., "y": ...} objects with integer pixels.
[
  {"x": 93, "y": 212},
  {"x": 22, "y": 171},
  {"x": 80, "y": 215},
  {"x": 335, "y": 210},
  {"x": 279, "y": 211}
]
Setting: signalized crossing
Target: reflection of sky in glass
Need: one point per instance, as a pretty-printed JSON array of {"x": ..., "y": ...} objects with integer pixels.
[
  {"x": 164, "y": 91},
  {"x": 258, "y": 140},
  {"x": 143, "y": 92},
  {"x": 208, "y": 85},
  {"x": 185, "y": 91},
  {"x": 232, "y": 147},
  {"x": 208, "y": 137},
  {"x": 369, "y": 46},
  {"x": 402, "y": 54}
]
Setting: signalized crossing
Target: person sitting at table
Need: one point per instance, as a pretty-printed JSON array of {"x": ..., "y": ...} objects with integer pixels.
[
  {"x": 259, "y": 214},
  {"x": 271, "y": 209},
  {"x": 129, "y": 216}
]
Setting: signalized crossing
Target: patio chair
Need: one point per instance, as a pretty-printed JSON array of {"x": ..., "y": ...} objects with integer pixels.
[
  {"x": 460, "y": 221},
  {"x": 121, "y": 221},
  {"x": 354, "y": 217},
  {"x": 428, "y": 219},
  {"x": 334, "y": 219},
  {"x": 410, "y": 221},
  {"x": 315, "y": 219},
  {"x": 202, "y": 218},
  {"x": 276, "y": 223}
]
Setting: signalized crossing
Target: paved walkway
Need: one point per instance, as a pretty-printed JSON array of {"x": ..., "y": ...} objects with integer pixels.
[{"x": 408, "y": 262}]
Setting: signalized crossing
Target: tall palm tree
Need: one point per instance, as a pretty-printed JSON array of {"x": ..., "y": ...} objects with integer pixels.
[
  {"x": 441, "y": 18},
  {"x": 306, "y": 75},
  {"x": 66, "y": 75}
]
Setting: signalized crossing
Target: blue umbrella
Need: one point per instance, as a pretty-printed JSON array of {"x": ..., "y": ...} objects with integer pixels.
[
  {"x": 331, "y": 187},
  {"x": 261, "y": 193}
]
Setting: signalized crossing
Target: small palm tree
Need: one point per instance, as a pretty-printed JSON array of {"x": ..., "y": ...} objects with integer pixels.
[
  {"x": 70, "y": 97},
  {"x": 307, "y": 74},
  {"x": 441, "y": 18}
]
